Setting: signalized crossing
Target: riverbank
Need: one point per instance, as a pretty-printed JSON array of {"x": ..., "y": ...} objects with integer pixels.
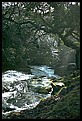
[{"x": 65, "y": 106}]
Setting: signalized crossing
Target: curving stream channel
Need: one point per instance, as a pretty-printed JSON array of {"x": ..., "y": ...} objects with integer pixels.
[{"x": 22, "y": 91}]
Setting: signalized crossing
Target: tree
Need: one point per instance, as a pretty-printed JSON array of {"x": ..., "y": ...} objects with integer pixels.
[{"x": 28, "y": 19}]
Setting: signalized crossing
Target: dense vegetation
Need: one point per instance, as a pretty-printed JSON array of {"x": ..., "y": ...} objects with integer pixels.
[
  {"x": 31, "y": 30},
  {"x": 35, "y": 33}
]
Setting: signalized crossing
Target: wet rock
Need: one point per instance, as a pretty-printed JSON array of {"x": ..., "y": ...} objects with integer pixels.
[
  {"x": 44, "y": 90},
  {"x": 4, "y": 116},
  {"x": 65, "y": 107},
  {"x": 4, "y": 89},
  {"x": 56, "y": 86},
  {"x": 7, "y": 108},
  {"x": 25, "y": 70}
]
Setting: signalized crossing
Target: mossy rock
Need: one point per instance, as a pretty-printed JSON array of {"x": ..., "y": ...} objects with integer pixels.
[
  {"x": 67, "y": 107},
  {"x": 42, "y": 90}
]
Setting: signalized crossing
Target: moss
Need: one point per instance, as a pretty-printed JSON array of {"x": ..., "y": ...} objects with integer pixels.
[
  {"x": 61, "y": 90},
  {"x": 67, "y": 107}
]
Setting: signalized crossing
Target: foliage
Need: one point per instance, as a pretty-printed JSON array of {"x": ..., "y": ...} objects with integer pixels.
[{"x": 25, "y": 24}]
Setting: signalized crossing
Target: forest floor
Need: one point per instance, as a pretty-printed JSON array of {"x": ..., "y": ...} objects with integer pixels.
[{"x": 65, "y": 106}]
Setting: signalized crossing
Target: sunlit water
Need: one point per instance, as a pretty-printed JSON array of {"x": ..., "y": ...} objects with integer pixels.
[{"x": 24, "y": 91}]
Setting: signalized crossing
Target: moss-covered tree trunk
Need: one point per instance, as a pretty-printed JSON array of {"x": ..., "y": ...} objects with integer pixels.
[
  {"x": 73, "y": 45},
  {"x": 77, "y": 55}
]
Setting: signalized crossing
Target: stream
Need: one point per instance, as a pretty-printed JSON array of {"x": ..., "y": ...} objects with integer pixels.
[{"x": 22, "y": 91}]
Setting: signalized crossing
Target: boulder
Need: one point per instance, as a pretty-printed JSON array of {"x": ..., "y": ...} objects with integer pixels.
[
  {"x": 65, "y": 69},
  {"x": 25, "y": 70},
  {"x": 56, "y": 87}
]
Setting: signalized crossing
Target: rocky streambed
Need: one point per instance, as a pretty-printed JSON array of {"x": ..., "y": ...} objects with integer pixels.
[
  {"x": 35, "y": 100},
  {"x": 21, "y": 91}
]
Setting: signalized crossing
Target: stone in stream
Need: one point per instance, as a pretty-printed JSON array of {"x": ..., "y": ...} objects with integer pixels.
[
  {"x": 28, "y": 89},
  {"x": 5, "y": 89},
  {"x": 6, "y": 108},
  {"x": 56, "y": 86},
  {"x": 25, "y": 70}
]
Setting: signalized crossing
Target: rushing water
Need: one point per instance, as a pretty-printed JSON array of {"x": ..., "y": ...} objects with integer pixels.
[{"x": 24, "y": 91}]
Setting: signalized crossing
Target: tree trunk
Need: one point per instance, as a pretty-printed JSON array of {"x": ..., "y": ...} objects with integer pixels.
[{"x": 77, "y": 55}]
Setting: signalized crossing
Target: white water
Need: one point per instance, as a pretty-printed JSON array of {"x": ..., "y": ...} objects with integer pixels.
[{"x": 22, "y": 88}]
